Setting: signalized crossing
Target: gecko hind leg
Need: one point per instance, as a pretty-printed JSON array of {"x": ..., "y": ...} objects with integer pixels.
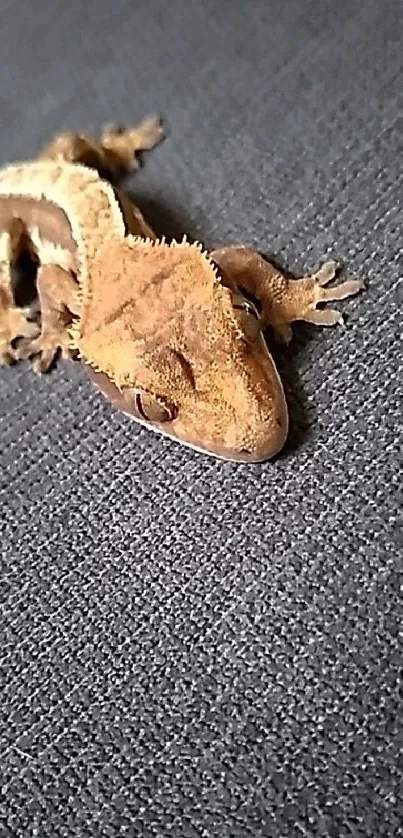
[
  {"x": 57, "y": 289},
  {"x": 114, "y": 154},
  {"x": 15, "y": 321}
]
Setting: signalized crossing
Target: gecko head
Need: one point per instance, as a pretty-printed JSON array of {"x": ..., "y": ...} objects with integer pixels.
[{"x": 170, "y": 343}]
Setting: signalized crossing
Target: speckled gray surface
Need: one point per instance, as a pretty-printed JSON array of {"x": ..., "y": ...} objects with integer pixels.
[{"x": 192, "y": 648}]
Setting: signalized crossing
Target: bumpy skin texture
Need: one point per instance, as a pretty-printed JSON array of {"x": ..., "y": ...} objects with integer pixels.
[{"x": 168, "y": 332}]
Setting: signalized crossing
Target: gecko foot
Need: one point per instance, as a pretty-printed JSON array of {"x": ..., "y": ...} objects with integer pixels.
[
  {"x": 15, "y": 323},
  {"x": 114, "y": 154},
  {"x": 124, "y": 143},
  {"x": 301, "y": 298},
  {"x": 321, "y": 294},
  {"x": 44, "y": 349}
]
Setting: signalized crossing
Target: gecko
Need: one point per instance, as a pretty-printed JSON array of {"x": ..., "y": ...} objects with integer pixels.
[{"x": 171, "y": 333}]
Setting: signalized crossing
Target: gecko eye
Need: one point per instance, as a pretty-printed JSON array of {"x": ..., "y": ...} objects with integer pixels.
[
  {"x": 249, "y": 317},
  {"x": 153, "y": 408},
  {"x": 137, "y": 403}
]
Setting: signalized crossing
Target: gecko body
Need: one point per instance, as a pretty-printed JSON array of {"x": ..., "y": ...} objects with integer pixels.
[{"x": 167, "y": 331}]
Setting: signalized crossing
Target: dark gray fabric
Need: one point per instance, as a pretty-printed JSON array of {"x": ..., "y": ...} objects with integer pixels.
[{"x": 193, "y": 648}]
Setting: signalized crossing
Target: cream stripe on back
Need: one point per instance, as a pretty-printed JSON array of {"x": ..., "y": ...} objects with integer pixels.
[{"x": 88, "y": 201}]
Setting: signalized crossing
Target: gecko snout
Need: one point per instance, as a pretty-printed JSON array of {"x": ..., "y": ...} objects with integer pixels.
[{"x": 247, "y": 426}]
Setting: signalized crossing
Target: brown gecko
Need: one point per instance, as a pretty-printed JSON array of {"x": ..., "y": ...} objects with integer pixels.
[{"x": 170, "y": 334}]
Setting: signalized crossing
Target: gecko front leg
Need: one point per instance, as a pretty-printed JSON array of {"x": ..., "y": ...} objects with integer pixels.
[
  {"x": 284, "y": 301},
  {"x": 57, "y": 290},
  {"x": 15, "y": 322}
]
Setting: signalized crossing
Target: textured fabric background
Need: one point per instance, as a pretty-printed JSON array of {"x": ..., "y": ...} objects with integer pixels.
[{"x": 194, "y": 648}]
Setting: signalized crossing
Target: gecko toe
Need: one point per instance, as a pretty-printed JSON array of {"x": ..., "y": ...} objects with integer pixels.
[
  {"x": 43, "y": 362},
  {"x": 43, "y": 351},
  {"x": 16, "y": 327},
  {"x": 327, "y": 272},
  {"x": 6, "y": 357},
  {"x": 324, "y": 317},
  {"x": 346, "y": 289}
]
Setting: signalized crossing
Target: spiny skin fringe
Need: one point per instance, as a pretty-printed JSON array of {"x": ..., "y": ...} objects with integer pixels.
[
  {"x": 73, "y": 331},
  {"x": 74, "y": 337},
  {"x": 90, "y": 362},
  {"x": 96, "y": 368},
  {"x": 79, "y": 297},
  {"x": 139, "y": 241},
  {"x": 196, "y": 245}
]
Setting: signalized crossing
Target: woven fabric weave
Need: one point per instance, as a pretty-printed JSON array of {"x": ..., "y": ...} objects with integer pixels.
[{"x": 190, "y": 647}]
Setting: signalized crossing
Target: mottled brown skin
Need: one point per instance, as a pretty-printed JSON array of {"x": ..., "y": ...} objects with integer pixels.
[{"x": 167, "y": 331}]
